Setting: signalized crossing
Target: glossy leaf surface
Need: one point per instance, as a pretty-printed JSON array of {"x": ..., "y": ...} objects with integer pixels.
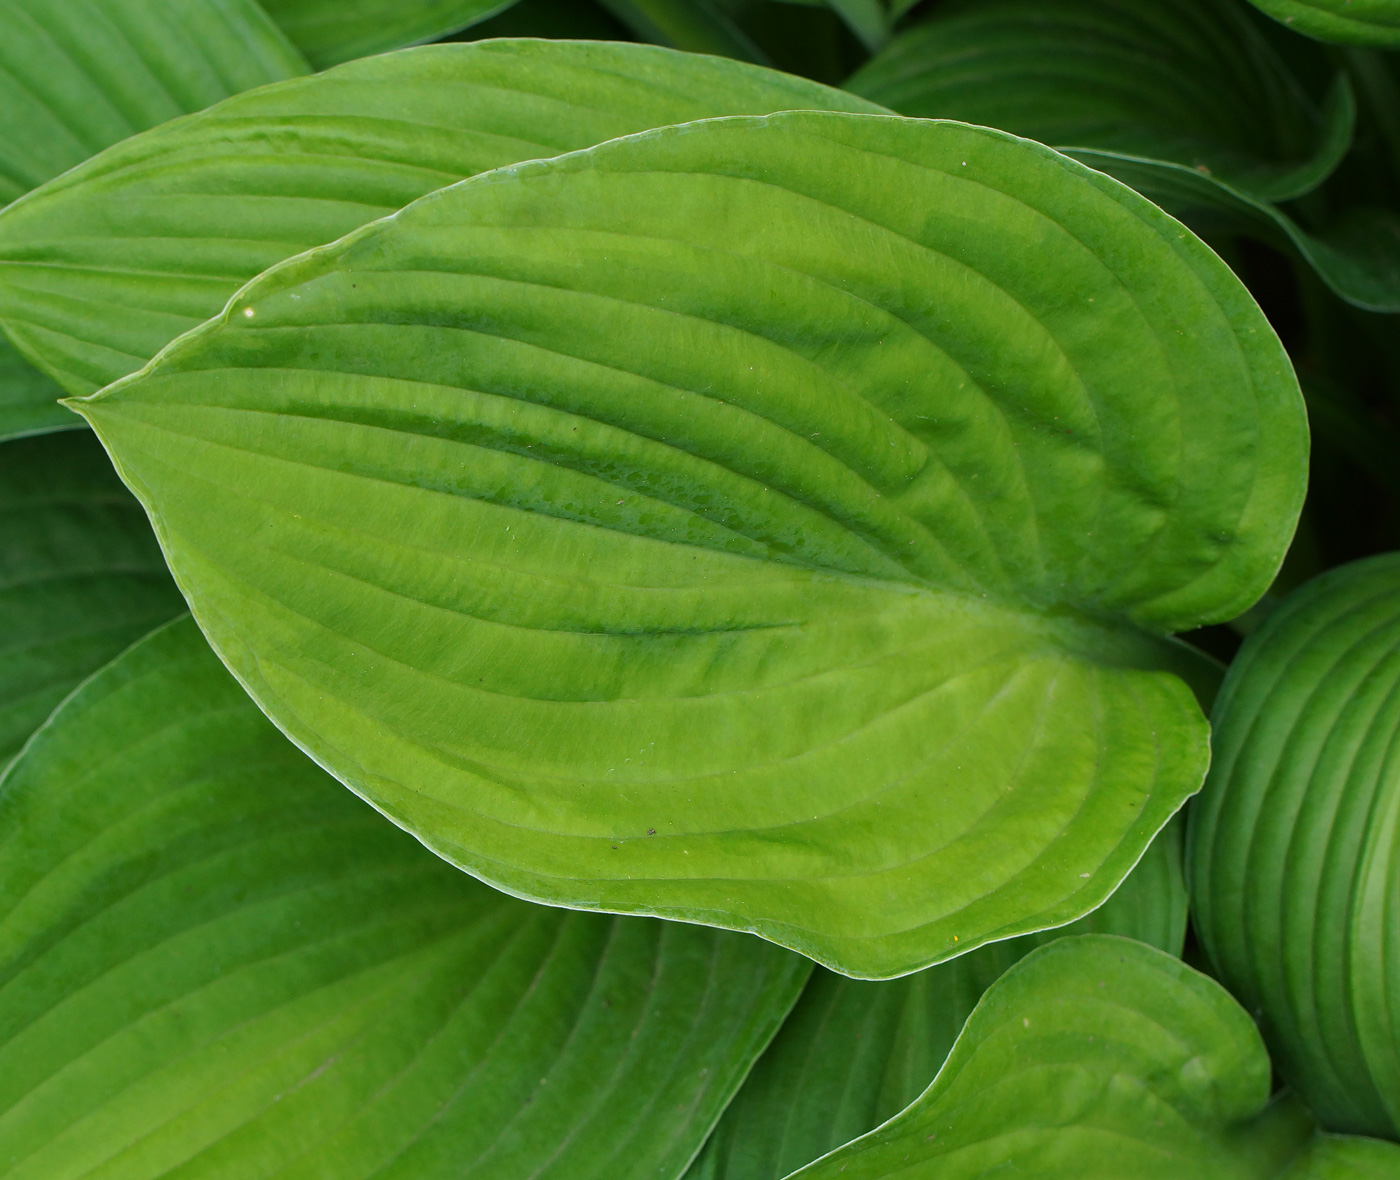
[
  {"x": 698, "y": 26},
  {"x": 81, "y": 576},
  {"x": 1348, "y": 22},
  {"x": 79, "y": 75},
  {"x": 1096, "y": 1058},
  {"x": 772, "y": 523},
  {"x": 855, "y": 1053},
  {"x": 333, "y": 31},
  {"x": 1194, "y": 82},
  {"x": 103, "y": 268},
  {"x": 28, "y": 398},
  {"x": 214, "y": 962},
  {"x": 1295, "y": 858}
]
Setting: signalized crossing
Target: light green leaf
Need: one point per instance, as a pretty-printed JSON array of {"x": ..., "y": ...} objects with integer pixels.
[
  {"x": 1295, "y": 847},
  {"x": 105, "y": 266},
  {"x": 333, "y": 31},
  {"x": 29, "y": 399},
  {"x": 1347, "y": 22},
  {"x": 695, "y": 25},
  {"x": 81, "y": 576},
  {"x": 767, "y": 522},
  {"x": 854, "y": 1054},
  {"x": 214, "y": 962},
  {"x": 1098, "y": 1058},
  {"x": 78, "y": 75},
  {"x": 1194, "y": 82}
]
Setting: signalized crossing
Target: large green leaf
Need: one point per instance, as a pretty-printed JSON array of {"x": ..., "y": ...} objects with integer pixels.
[
  {"x": 768, "y": 522},
  {"x": 1194, "y": 82},
  {"x": 102, "y": 268},
  {"x": 333, "y": 31},
  {"x": 1348, "y": 22},
  {"x": 214, "y": 962},
  {"x": 1099, "y": 1058},
  {"x": 28, "y": 398},
  {"x": 1295, "y": 847},
  {"x": 81, "y": 576},
  {"x": 854, "y": 1053},
  {"x": 78, "y": 75}
]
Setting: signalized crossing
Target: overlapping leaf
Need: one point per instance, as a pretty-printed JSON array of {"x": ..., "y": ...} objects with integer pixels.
[
  {"x": 79, "y": 75},
  {"x": 102, "y": 268},
  {"x": 1348, "y": 22},
  {"x": 771, "y": 523},
  {"x": 1188, "y": 103},
  {"x": 1295, "y": 859},
  {"x": 854, "y": 1054},
  {"x": 1096, "y": 1058},
  {"x": 333, "y": 31},
  {"x": 214, "y": 961},
  {"x": 81, "y": 576},
  {"x": 1193, "y": 82}
]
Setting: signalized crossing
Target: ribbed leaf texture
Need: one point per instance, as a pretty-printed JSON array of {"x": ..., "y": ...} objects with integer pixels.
[
  {"x": 856, "y": 1053},
  {"x": 1189, "y": 103},
  {"x": 101, "y": 269},
  {"x": 1194, "y": 82},
  {"x": 1098, "y": 1058},
  {"x": 81, "y": 575},
  {"x": 214, "y": 962},
  {"x": 767, "y": 522},
  {"x": 1295, "y": 843},
  {"x": 79, "y": 75}
]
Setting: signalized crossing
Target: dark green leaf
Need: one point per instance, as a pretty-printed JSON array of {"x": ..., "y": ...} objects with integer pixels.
[
  {"x": 768, "y": 522},
  {"x": 1358, "y": 256},
  {"x": 333, "y": 31},
  {"x": 103, "y": 267},
  {"x": 1194, "y": 82},
  {"x": 1348, "y": 22},
  {"x": 854, "y": 1054},
  {"x": 78, "y": 75},
  {"x": 1100, "y": 1058},
  {"x": 215, "y": 962},
  {"x": 81, "y": 576},
  {"x": 695, "y": 25},
  {"x": 1295, "y": 846},
  {"x": 29, "y": 399}
]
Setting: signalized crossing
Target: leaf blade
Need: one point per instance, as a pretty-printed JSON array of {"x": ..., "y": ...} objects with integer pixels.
[
  {"x": 454, "y": 490},
  {"x": 81, "y": 576},
  {"x": 109, "y": 264},
  {"x": 243, "y": 969},
  {"x": 77, "y": 77}
]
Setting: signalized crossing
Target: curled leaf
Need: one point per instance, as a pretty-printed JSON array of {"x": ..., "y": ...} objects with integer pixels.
[{"x": 1295, "y": 844}]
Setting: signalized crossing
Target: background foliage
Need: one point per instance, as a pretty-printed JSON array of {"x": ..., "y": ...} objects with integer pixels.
[{"x": 665, "y": 483}]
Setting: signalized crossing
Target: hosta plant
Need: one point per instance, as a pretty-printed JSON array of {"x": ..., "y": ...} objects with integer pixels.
[{"x": 710, "y": 568}]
